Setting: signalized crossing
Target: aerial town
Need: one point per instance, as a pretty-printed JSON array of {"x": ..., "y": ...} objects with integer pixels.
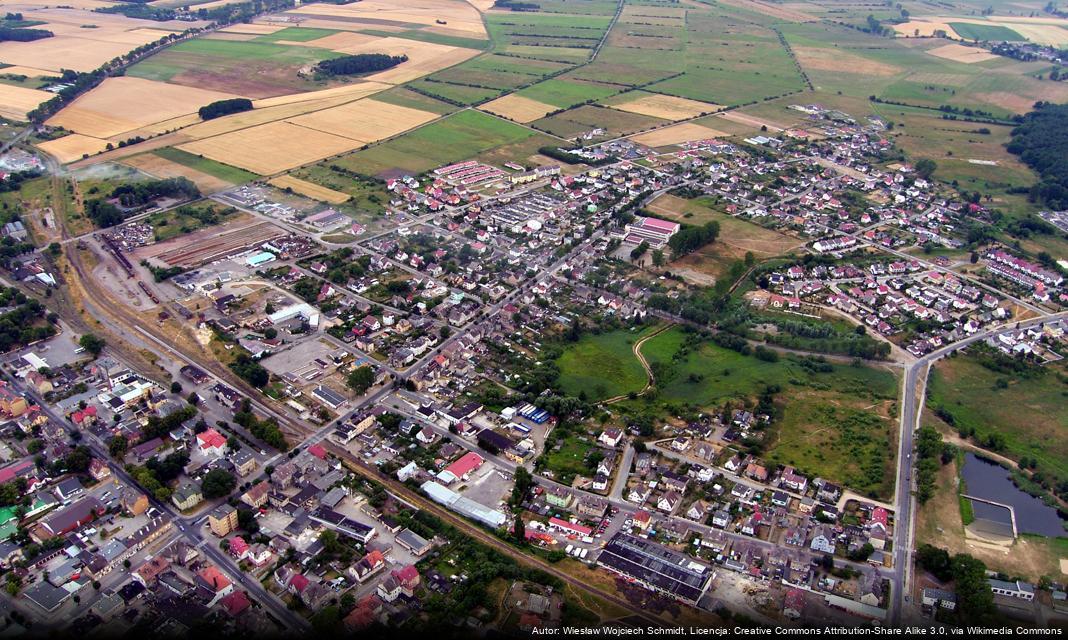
[{"x": 512, "y": 318}]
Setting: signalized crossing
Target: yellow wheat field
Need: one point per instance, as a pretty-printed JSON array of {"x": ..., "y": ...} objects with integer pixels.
[
  {"x": 253, "y": 29},
  {"x": 271, "y": 148},
  {"x": 459, "y": 17},
  {"x": 83, "y": 39},
  {"x": 518, "y": 108},
  {"x": 667, "y": 107},
  {"x": 676, "y": 134},
  {"x": 961, "y": 53},
  {"x": 124, "y": 104},
  {"x": 73, "y": 147},
  {"x": 160, "y": 167},
  {"x": 310, "y": 189},
  {"x": 365, "y": 120},
  {"x": 16, "y": 102}
]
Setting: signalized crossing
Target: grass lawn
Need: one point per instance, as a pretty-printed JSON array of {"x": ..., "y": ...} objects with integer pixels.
[
  {"x": 1028, "y": 412},
  {"x": 602, "y": 366},
  {"x": 206, "y": 165},
  {"x": 568, "y": 462},
  {"x": 457, "y": 137},
  {"x": 979, "y": 32}
]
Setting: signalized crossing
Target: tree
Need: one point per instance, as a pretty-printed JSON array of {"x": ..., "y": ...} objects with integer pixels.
[
  {"x": 520, "y": 530},
  {"x": 91, "y": 343},
  {"x": 524, "y": 482},
  {"x": 218, "y": 483},
  {"x": 361, "y": 379},
  {"x": 270, "y": 333},
  {"x": 973, "y": 590},
  {"x": 925, "y": 168},
  {"x": 176, "y": 387},
  {"x": 658, "y": 258},
  {"x": 117, "y": 446}
]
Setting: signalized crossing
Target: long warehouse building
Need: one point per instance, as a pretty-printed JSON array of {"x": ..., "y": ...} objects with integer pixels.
[{"x": 464, "y": 506}]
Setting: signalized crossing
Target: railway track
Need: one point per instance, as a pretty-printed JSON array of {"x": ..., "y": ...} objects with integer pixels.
[{"x": 482, "y": 536}]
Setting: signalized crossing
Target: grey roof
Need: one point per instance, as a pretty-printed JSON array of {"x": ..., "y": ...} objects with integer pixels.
[
  {"x": 412, "y": 540},
  {"x": 46, "y": 596}
]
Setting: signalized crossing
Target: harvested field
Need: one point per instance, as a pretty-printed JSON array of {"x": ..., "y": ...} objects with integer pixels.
[
  {"x": 839, "y": 61},
  {"x": 666, "y": 107},
  {"x": 29, "y": 72},
  {"x": 1044, "y": 34},
  {"x": 254, "y": 29},
  {"x": 423, "y": 57},
  {"x": 16, "y": 102},
  {"x": 756, "y": 123},
  {"x": 350, "y": 91},
  {"x": 80, "y": 49},
  {"x": 271, "y": 148},
  {"x": 365, "y": 120},
  {"x": 204, "y": 246},
  {"x": 310, "y": 189},
  {"x": 773, "y": 10},
  {"x": 459, "y": 18},
  {"x": 123, "y": 104},
  {"x": 159, "y": 167},
  {"x": 263, "y": 116},
  {"x": 342, "y": 40},
  {"x": 519, "y": 108},
  {"x": 72, "y": 147},
  {"x": 676, "y": 134},
  {"x": 961, "y": 53},
  {"x": 925, "y": 28}
]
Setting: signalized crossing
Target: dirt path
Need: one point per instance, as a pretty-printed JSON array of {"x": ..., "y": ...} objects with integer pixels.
[{"x": 637, "y": 350}]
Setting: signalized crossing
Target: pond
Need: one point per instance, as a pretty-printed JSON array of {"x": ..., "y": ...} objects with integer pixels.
[{"x": 990, "y": 481}]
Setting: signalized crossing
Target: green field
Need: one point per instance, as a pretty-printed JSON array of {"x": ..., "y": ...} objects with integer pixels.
[
  {"x": 206, "y": 165},
  {"x": 602, "y": 366},
  {"x": 430, "y": 36},
  {"x": 837, "y": 424},
  {"x": 405, "y": 97},
  {"x": 250, "y": 68},
  {"x": 1027, "y": 411},
  {"x": 296, "y": 34},
  {"x": 564, "y": 93},
  {"x": 587, "y": 117},
  {"x": 454, "y": 138},
  {"x": 981, "y": 32}
]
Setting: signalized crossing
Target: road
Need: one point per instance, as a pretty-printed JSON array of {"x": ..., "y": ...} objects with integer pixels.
[
  {"x": 184, "y": 524},
  {"x": 911, "y": 412}
]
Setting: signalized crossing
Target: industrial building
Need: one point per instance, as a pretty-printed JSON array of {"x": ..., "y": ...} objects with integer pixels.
[{"x": 463, "y": 506}]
